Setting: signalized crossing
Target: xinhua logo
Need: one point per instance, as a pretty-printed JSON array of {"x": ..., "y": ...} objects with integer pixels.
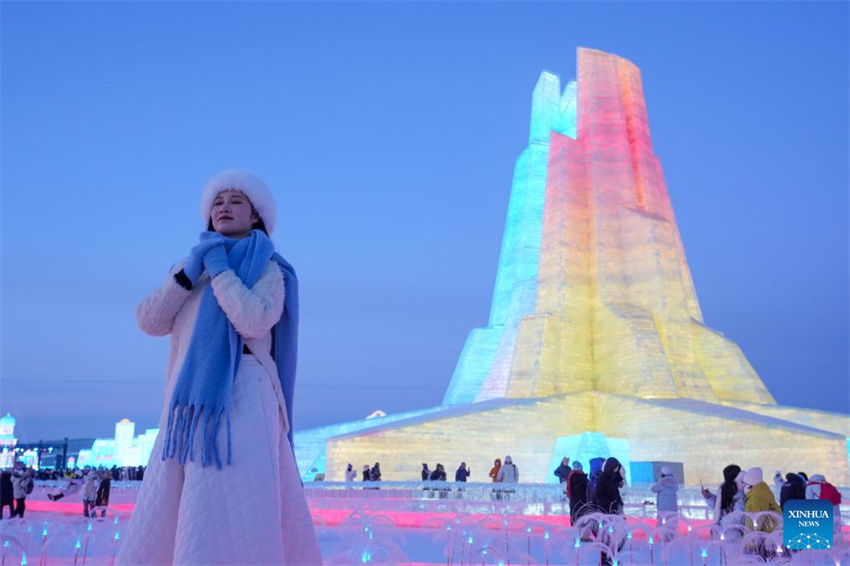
[{"x": 807, "y": 523}]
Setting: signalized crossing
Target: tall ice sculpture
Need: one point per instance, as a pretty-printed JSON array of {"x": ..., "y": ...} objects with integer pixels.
[{"x": 596, "y": 343}]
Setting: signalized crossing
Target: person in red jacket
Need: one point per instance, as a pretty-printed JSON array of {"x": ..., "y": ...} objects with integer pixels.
[{"x": 494, "y": 471}]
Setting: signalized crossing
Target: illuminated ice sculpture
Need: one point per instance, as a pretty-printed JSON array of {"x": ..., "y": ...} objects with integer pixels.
[{"x": 595, "y": 325}]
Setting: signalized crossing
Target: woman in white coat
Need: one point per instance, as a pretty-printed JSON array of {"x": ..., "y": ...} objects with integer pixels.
[{"x": 222, "y": 486}]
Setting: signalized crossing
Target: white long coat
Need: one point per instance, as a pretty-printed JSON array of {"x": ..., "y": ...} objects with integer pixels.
[{"x": 253, "y": 511}]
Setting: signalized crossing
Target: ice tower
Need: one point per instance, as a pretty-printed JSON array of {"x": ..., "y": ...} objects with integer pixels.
[{"x": 595, "y": 326}]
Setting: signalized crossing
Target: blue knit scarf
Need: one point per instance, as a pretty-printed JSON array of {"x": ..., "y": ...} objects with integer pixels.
[{"x": 202, "y": 395}]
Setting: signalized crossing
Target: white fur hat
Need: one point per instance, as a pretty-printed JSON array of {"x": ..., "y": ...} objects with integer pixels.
[
  {"x": 239, "y": 180},
  {"x": 665, "y": 471},
  {"x": 753, "y": 476}
]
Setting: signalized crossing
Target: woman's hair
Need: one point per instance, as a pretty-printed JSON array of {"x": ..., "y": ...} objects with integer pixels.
[
  {"x": 729, "y": 487},
  {"x": 258, "y": 225}
]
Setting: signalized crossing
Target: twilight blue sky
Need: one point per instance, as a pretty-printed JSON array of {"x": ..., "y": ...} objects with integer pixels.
[{"x": 389, "y": 133}]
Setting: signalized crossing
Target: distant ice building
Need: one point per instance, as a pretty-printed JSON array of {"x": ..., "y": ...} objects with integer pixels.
[
  {"x": 124, "y": 450},
  {"x": 596, "y": 343},
  {"x": 7, "y": 441}
]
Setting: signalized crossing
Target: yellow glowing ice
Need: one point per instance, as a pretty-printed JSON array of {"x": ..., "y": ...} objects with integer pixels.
[{"x": 615, "y": 342}]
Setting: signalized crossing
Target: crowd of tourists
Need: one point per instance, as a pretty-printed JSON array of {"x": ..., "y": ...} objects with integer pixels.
[
  {"x": 598, "y": 490},
  {"x": 93, "y": 484}
]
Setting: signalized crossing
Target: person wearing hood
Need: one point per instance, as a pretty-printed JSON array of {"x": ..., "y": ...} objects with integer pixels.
[
  {"x": 222, "y": 484},
  {"x": 494, "y": 471},
  {"x": 608, "y": 486},
  {"x": 728, "y": 500},
  {"x": 793, "y": 488},
  {"x": 462, "y": 473},
  {"x": 595, "y": 472},
  {"x": 818, "y": 488},
  {"x": 666, "y": 497},
  {"x": 350, "y": 473},
  {"x": 760, "y": 499},
  {"x": 22, "y": 484},
  {"x": 508, "y": 473},
  {"x": 426, "y": 473},
  {"x": 609, "y": 502},
  {"x": 563, "y": 471},
  {"x": 577, "y": 492}
]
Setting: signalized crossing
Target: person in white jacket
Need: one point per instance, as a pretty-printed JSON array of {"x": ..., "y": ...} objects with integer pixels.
[
  {"x": 91, "y": 483},
  {"x": 22, "y": 480},
  {"x": 350, "y": 473},
  {"x": 222, "y": 486},
  {"x": 814, "y": 489},
  {"x": 728, "y": 503},
  {"x": 666, "y": 498},
  {"x": 508, "y": 473}
]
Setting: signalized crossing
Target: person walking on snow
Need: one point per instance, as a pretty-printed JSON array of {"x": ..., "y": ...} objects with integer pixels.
[
  {"x": 222, "y": 485},
  {"x": 23, "y": 482},
  {"x": 666, "y": 498}
]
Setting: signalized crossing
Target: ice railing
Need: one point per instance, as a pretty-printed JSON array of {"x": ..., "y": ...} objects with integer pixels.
[
  {"x": 522, "y": 498},
  {"x": 365, "y": 536}
]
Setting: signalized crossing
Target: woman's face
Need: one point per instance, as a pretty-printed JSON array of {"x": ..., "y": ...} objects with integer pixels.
[
  {"x": 739, "y": 481},
  {"x": 232, "y": 214}
]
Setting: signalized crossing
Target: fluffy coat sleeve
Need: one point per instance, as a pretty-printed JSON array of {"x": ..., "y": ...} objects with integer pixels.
[
  {"x": 252, "y": 312},
  {"x": 155, "y": 314},
  {"x": 813, "y": 491}
]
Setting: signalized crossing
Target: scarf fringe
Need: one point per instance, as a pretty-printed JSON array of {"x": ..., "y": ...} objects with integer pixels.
[
  {"x": 202, "y": 394},
  {"x": 183, "y": 422}
]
